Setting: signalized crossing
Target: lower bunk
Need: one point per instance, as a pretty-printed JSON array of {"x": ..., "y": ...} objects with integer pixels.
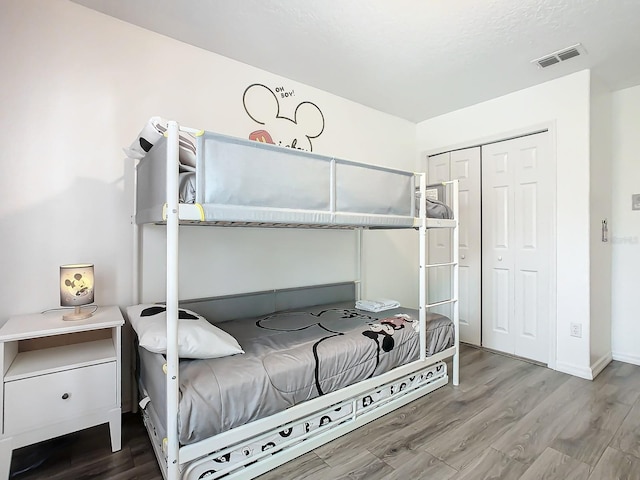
[{"x": 307, "y": 375}]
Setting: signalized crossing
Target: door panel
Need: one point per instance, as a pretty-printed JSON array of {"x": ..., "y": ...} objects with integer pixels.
[
  {"x": 529, "y": 218},
  {"x": 440, "y": 171},
  {"x": 501, "y": 223},
  {"x": 516, "y": 238},
  {"x": 463, "y": 229},
  {"x": 460, "y": 167},
  {"x": 497, "y": 234},
  {"x": 463, "y": 165},
  {"x": 501, "y": 301},
  {"x": 533, "y": 245},
  {"x": 527, "y": 303},
  {"x": 463, "y": 292}
]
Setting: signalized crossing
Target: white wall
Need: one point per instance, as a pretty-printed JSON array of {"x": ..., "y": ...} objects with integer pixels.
[
  {"x": 77, "y": 87},
  {"x": 600, "y": 206},
  {"x": 625, "y": 226},
  {"x": 564, "y": 103}
]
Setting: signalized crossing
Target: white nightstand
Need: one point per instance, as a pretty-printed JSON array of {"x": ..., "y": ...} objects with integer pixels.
[{"x": 58, "y": 377}]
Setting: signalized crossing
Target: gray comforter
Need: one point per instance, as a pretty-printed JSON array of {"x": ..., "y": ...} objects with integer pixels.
[{"x": 295, "y": 356}]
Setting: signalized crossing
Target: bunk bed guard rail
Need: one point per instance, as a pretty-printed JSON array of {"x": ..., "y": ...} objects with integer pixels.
[{"x": 241, "y": 180}]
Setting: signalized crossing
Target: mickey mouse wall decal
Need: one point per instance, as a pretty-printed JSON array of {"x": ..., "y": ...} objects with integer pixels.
[{"x": 263, "y": 107}]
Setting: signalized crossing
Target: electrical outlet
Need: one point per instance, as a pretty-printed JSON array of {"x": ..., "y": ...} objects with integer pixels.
[{"x": 576, "y": 330}]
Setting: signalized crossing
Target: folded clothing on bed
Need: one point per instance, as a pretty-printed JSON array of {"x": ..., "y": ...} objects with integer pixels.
[{"x": 375, "y": 306}]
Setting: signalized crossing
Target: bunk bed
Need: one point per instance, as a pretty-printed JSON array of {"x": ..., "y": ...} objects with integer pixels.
[{"x": 294, "y": 364}]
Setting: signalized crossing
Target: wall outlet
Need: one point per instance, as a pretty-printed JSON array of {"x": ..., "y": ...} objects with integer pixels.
[{"x": 575, "y": 330}]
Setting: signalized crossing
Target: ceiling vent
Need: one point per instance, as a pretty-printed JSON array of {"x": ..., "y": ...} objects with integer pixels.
[{"x": 559, "y": 56}]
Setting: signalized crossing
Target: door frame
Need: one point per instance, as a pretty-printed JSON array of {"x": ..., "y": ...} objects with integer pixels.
[{"x": 551, "y": 128}]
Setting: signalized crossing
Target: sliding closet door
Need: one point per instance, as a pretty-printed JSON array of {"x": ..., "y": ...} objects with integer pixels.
[
  {"x": 517, "y": 207},
  {"x": 463, "y": 165}
]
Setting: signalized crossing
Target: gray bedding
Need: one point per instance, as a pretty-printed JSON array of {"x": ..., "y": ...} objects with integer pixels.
[{"x": 289, "y": 357}]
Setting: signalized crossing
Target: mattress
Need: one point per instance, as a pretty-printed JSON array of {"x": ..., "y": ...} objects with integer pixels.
[{"x": 289, "y": 357}]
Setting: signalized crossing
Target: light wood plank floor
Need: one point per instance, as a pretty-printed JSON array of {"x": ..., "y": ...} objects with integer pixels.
[{"x": 508, "y": 419}]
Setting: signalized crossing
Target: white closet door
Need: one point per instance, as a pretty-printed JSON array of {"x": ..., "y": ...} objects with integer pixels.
[
  {"x": 462, "y": 165},
  {"x": 517, "y": 207},
  {"x": 439, "y": 242},
  {"x": 465, "y": 167}
]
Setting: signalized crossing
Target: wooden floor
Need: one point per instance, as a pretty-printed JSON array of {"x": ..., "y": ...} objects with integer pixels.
[{"x": 508, "y": 419}]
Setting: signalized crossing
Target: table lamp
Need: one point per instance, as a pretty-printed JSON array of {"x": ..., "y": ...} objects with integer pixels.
[{"x": 76, "y": 289}]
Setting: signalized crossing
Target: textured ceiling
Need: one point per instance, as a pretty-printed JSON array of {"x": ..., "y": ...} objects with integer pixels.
[{"x": 411, "y": 58}]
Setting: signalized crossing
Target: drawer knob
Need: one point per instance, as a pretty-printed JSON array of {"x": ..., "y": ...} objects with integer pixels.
[{"x": 65, "y": 396}]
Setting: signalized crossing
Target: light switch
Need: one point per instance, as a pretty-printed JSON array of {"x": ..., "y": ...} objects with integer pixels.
[{"x": 635, "y": 201}]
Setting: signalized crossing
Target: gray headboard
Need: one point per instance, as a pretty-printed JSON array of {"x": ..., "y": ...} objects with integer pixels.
[{"x": 247, "y": 305}]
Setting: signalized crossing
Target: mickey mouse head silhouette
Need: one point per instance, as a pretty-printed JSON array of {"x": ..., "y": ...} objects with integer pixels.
[
  {"x": 262, "y": 105},
  {"x": 78, "y": 285},
  {"x": 314, "y": 320},
  {"x": 385, "y": 328}
]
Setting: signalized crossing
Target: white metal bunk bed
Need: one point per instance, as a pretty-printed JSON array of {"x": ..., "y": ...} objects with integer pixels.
[{"x": 195, "y": 461}]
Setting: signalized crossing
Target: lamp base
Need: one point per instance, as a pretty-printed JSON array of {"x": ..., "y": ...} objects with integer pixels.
[{"x": 77, "y": 314}]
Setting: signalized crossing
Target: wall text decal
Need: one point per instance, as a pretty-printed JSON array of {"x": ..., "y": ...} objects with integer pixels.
[{"x": 263, "y": 105}]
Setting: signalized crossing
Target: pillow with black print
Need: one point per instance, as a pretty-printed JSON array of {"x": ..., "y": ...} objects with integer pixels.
[
  {"x": 197, "y": 338},
  {"x": 153, "y": 131}
]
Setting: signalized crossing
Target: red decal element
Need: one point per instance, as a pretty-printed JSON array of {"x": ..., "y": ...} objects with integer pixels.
[{"x": 261, "y": 136}]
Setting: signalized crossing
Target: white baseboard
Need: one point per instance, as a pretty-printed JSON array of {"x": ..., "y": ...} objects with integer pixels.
[
  {"x": 597, "y": 366},
  {"x": 588, "y": 373},
  {"x": 576, "y": 371},
  {"x": 600, "y": 364},
  {"x": 627, "y": 358}
]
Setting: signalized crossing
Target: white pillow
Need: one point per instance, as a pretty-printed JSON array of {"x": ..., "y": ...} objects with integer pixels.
[
  {"x": 197, "y": 338},
  {"x": 152, "y": 132}
]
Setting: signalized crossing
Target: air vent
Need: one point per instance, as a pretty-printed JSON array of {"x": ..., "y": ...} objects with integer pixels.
[
  {"x": 548, "y": 61},
  {"x": 559, "y": 56},
  {"x": 567, "y": 54}
]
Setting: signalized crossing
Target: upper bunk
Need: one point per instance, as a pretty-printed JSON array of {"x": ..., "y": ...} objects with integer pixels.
[{"x": 237, "y": 182}]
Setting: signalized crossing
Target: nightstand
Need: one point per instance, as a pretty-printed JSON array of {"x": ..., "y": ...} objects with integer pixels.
[{"x": 58, "y": 377}]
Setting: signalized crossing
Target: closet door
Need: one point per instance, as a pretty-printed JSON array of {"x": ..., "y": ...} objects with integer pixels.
[
  {"x": 462, "y": 165},
  {"x": 465, "y": 167},
  {"x": 517, "y": 207}
]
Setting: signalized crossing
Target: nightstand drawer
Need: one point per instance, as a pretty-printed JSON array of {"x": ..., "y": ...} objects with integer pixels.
[{"x": 47, "y": 399}]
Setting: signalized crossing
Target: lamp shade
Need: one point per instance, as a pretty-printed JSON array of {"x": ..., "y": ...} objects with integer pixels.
[{"x": 76, "y": 284}]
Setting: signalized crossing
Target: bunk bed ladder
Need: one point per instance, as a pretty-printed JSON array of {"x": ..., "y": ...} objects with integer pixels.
[
  {"x": 453, "y": 264},
  {"x": 454, "y": 280},
  {"x": 422, "y": 280}
]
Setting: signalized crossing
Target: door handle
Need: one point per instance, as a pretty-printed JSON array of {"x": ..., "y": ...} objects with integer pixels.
[
  {"x": 462, "y": 257},
  {"x": 499, "y": 259}
]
